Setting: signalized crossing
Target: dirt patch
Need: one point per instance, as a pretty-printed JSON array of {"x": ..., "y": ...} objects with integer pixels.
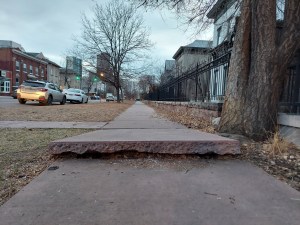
[
  {"x": 283, "y": 164},
  {"x": 182, "y": 163},
  {"x": 91, "y": 112}
]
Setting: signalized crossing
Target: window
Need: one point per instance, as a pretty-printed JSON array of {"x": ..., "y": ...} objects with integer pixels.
[
  {"x": 36, "y": 71},
  {"x": 5, "y": 86},
  {"x": 51, "y": 86},
  {"x": 33, "y": 84},
  {"x": 30, "y": 69},
  {"x": 57, "y": 88},
  {"x": 230, "y": 25},
  {"x": 219, "y": 35},
  {"x": 42, "y": 72},
  {"x": 17, "y": 66},
  {"x": 280, "y": 5},
  {"x": 24, "y": 68}
]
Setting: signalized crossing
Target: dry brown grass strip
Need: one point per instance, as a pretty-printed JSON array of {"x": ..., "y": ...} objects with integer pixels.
[
  {"x": 23, "y": 156},
  {"x": 95, "y": 112}
]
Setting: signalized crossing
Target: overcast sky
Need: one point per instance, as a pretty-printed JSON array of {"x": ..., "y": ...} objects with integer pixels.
[{"x": 48, "y": 27}]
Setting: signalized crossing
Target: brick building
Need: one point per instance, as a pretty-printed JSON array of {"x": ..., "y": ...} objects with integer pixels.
[
  {"x": 16, "y": 66},
  {"x": 53, "y": 70}
]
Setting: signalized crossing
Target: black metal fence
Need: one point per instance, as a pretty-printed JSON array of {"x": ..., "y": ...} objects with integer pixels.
[
  {"x": 202, "y": 83},
  {"x": 207, "y": 84},
  {"x": 290, "y": 97}
]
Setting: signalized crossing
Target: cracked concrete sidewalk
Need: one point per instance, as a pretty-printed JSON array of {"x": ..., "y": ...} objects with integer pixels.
[{"x": 150, "y": 190}]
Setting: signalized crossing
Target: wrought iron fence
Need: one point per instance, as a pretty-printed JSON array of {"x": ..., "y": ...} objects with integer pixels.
[
  {"x": 290, "y": 97},
  {"x": 202, "y": 83},
  {"x": 207, "y": 84}
]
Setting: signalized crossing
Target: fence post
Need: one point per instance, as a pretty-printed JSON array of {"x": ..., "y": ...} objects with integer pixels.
[
  {"x": 196, "y": 77},
  {"x": 296, "y": 90}
]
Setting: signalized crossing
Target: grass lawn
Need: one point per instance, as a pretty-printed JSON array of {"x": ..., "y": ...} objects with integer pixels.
[{"x": 23, "y": 156}]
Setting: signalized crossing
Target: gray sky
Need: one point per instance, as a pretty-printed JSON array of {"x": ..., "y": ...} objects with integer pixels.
[{"x": 48, "y": 27}]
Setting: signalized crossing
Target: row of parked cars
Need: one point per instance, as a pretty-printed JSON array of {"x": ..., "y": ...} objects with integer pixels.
[{"x": 46, "y": 93}]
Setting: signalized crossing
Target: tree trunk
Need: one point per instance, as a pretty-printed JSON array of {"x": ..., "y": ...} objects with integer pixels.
[
  {"x": 118, "y": 88},
  {"x": 258, "y": 67},
  {"x": 232, "y": 120}
]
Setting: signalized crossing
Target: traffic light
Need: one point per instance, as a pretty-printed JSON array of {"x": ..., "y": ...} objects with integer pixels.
[
  {"x": 77, "y": 77},
  {"x": 95, "y": 79}
]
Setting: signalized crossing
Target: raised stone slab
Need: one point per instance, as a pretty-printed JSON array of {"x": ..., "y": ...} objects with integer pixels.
[{"x": 164, "y": 141}]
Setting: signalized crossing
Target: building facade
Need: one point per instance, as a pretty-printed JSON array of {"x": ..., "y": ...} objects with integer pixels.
[
  {"x": 71, "y": 75},
  {"x": 104, "y": 71},
  {"x": 224, "y": 14},
  {"x": 53, "y": 74},
  {"x": 186, "y": 58},
  {"x": 75, "y": 64},
  {"x": 16, "y": 66},
  {"x": 191, "y": 55},
  {"x": 169, "y": 71},
  {"x": 69, "y": 79}
]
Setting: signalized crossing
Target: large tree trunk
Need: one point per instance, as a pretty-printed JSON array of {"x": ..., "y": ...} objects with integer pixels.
[{"x": 258, "y": 66}]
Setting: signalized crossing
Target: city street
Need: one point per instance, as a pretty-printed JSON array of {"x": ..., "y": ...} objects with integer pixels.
[{"x": 7, "y": 101}]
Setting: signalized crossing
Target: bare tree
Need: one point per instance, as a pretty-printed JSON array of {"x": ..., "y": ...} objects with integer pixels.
[
  {"x": 129, "y": 87},
  {"x": 259, "y": 62},
  {"x": 89, "y": 80},
  {"x": 147, "y": 84},
  {"x": 191, "y": 12},
  {"x": 117, "y": 31}
]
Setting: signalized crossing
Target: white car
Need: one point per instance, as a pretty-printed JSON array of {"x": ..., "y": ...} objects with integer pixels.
[
  {"x": 109, "y": 97},
  {"x": 76, "y": 95}
]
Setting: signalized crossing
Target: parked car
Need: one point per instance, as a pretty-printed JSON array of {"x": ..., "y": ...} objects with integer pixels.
[
  {"x": 42, "y": 91},
  {"x": 14, "y": 94},
  {"x": 95, "y": 97},
  {"x": 76, "y": 95},
  {"x": 109, "y": 97}
]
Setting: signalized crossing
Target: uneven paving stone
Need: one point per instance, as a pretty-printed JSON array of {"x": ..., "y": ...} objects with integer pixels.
[
  {"x": 140, "y": 129},
  {"x": 166, "y": 141}
]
